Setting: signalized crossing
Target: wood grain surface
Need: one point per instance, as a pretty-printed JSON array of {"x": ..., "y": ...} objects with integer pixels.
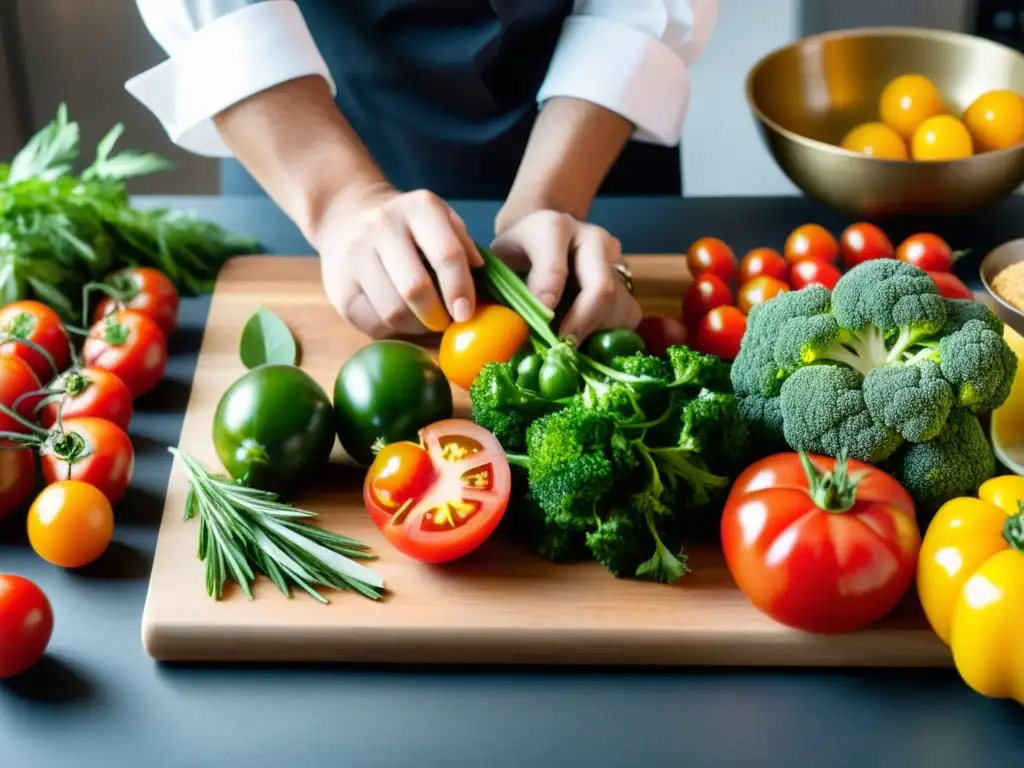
[{"x": 500, "y": 605}]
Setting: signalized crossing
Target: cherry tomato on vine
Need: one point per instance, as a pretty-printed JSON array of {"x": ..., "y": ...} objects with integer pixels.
[
  {"x": 70, "y": 524},
  {"x": 950, "y": 285},
  {"x": 89, "y": 392},
  {"x": 709, "y": 254},
  {"x": 492, "y": 335},
  {"x": 26, "y": 624},
  {"x": 862, "y": 242},
  {"x": 720, "y": 332},
  {"x": 763, "y": 261},
  {"x": 811, "y": 241},
  {"x": 817, "y": 548},
  {"x": 813, "y": 272},
  {"x": 17, "y": 478},
  {"x": 758, "y": 291},
  {"x": 95, "y": 451},
  {"x": 144, "y": 290},
  {"x": 36, "y": 323},
  {"x": 706, "y": 292},
  {"x": 439, "y": 499},
  {"x": 130, "y": 346},
  {"x": 16, "y": 381},
  {"x": 928, "y": 252},
  {"x": 660, "y": 332}
]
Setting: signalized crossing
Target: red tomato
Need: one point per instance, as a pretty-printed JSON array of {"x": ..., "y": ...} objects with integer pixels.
[
  {"x": 70, "y": 524},
  {"x": 763, "y": 261},
  {"x": 36, "y": 323},
  {"x": 928, "y": 252},
  {"x": 451, "y": 491},
  {"x": 709, "y": 254},
  {"x": 16, "y": 380},
  {"x": 950, "y": 285},
  {"x": 814, "y": 559},
  {"x": 492, "y": 335},
  {"x": 17, "y": 478},
  {"x": 811, "y": 241},
  {"x": 92, "y": 450},
  {"x": 26, "y": 624},
  {"x": 862, "y": 242},
  {"x": 758, "y": 291},
  {"x": 130, "y": 346},
  {"x": 661, "y": 332},
  {"x": 704, "y": 294},
  {"x": 720, "y": 332},
  {"x": 814, "y": 272},
  {"x": 144, "y": 290},
  {"x": 90, "y": 392}
]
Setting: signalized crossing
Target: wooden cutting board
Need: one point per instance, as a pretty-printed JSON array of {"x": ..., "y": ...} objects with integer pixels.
[{"x": 502, "y": 604}]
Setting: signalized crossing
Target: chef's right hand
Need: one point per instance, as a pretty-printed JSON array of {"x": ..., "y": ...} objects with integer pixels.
[{"x": 373, "y": 244}]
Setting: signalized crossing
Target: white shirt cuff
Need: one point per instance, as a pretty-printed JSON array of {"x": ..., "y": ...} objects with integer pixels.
[
  {"x": 232, "y": 58},
  {"x": 623, "y": 70}
]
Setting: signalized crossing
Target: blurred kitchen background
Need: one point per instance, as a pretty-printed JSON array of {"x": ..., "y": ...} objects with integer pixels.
[{"x": 82, "y": 51}]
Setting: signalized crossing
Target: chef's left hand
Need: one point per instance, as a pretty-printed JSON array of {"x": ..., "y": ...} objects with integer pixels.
[{"x": 552, "y": 243}]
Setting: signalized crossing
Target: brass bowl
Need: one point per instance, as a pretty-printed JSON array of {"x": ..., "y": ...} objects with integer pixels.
[
  {"x": 806, "y": 96},
  {"x": 995, "y": 262}
]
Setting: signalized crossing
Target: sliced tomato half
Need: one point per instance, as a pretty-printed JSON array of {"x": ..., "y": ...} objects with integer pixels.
[{"x": 439, "y": 499}]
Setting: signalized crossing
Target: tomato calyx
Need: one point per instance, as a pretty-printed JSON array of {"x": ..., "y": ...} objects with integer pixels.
[
  {"x": 834, "y": 491},
  {"x": 1013, "y": 529},
  {"x": 21, "y": 326},
  {"x": 66, "y": 446},
  {"x": 115, "y": 333}
]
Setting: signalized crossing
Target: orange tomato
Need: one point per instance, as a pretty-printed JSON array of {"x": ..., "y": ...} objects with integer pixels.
[
  {"x": 70, "y": 524},
  {"x": 907, "y": 101},
  {"x": 877, "y": 140},
  {"x": 996, "y": 120},
  {"x": 942, "y": 137},
  {"x": 811, "y": 241},
  {"x": 759, "y": 290},
  {"x": 492, "y": 335},
  {"x": 709, "y": 254}
]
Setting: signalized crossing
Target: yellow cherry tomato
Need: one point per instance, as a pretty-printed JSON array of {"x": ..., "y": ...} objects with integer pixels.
[
  {"x": 70, "y": 523},
  {"x": 907, "y": 101},
  {"x": 876, "y": 140},
  {"x": 941, "y": 138},
  {"x": 996, "y": 120},
  {"x": 970, "y": 579},
  {"x": 493, "y": 335}
]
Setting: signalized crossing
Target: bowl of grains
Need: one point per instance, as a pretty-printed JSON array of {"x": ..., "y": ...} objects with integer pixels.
[{"x": 1002, "y": 274}]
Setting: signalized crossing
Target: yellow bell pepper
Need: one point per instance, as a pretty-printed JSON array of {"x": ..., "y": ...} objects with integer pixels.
[{"x": 970, "y": 578}]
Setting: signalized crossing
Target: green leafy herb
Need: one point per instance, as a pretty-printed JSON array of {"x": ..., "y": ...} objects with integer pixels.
[
  {"x": 266, "y": 339},
  {"x": 244, "y": 531},
  {"x": 59, "y": 231}
]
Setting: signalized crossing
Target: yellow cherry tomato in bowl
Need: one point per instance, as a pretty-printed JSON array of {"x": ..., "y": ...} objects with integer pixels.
[
  {"x": 70, "y": 524},
  {"x": 996, "y": 120},
  {"x": 876, "y": 140},
  {"x": 941, "y": 138},
  {"x": 907, "y": 101},
  {"x": 493, "y": 335}
]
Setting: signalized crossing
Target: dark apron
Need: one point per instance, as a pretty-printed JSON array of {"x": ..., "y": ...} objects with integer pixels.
[{"x": 443, "y": 93}]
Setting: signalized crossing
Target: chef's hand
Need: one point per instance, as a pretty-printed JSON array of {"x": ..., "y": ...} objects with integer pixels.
[
  {"x": 372, "y": 244},
  {"x": 552, "y": 243}
]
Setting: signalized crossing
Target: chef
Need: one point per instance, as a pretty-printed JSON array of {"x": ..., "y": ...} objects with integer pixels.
[{"x": 360, "y": 117}]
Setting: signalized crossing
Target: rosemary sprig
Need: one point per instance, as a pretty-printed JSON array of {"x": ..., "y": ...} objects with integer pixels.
[{"x": 244, "y": 531}]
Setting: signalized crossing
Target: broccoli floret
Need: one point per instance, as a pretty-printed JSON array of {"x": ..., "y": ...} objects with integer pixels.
[
  {"x": 755, "y": 370},
  {"x": 619, "y": 544},
  {"x": 644, "y": 366},
  {"x": 914, "y": 400},
  {"x": 499, "y": 405},
  {"x": 823, "y": 411},
  {"x": 979, "y": 364},
  {"x": 955, "y": 463},
  {"x": 714, "y": 427},
  {"x": 891, "y": 295},
  {"x": 961, "y": 311},
  {"x": 696, "y": 369},
  {"x": 764, "y": 421}
]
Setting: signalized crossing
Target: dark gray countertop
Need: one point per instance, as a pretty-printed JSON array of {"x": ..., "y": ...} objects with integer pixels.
[{"x": 98, "y": 701}]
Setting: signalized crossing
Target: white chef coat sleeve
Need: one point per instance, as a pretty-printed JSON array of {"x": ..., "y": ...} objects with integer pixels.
[
  {"x": 633, "y": 58},
  {"x": 219, "y": 53}
]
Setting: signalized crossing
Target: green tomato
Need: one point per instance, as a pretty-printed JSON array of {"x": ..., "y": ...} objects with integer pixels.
[
  {"x": 388, "y": 390},
  {"x": 274, "y": 428},
  {"x": 558, "y": 378},
  {"x": 528, "y": 372},
  {"x": 605, "y": 346}
]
